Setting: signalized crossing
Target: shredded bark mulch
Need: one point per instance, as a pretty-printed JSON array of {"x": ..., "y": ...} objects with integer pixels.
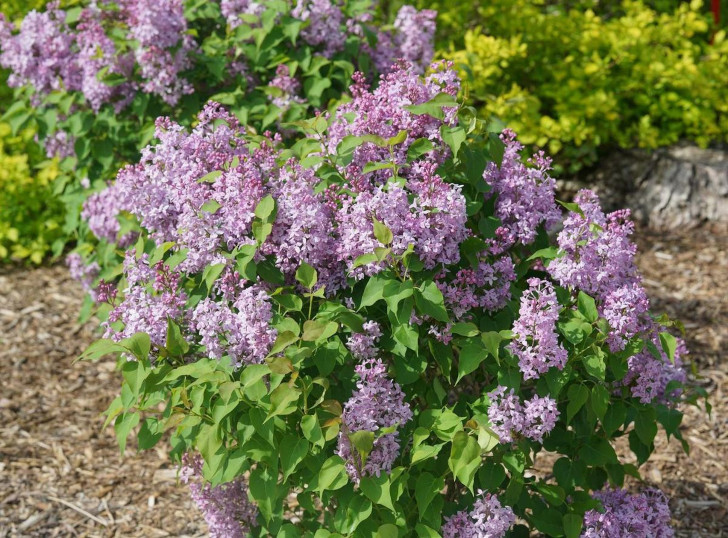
[{"x": 61, "y": 475}]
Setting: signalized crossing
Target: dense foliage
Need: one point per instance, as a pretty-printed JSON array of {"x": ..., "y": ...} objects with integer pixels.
[
  {"x": 579, "y": 80},
  {"x": 371, "y": 333},
  {"x": 31, "y": 216},
  {"x": 92, "y": 79}
]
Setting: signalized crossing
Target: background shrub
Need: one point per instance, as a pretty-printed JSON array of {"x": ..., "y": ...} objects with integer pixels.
[{"x": 578, "y": 81}]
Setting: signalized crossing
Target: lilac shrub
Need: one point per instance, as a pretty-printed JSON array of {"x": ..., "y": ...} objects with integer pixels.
[{"x": 377, "y": 329}]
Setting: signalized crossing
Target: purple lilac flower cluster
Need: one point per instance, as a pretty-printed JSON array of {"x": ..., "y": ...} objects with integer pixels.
[
  {"x": 525, "y": 195},
  {"x": 377, "y": 403},
  {"x": 241, "y": 330},
  {"x": 84, "y": 274},
  {"x": 363, "y": 345},
  {"x": 46, "y": 54},
  {"x": 411, "y": 39},
  {"x": 508, "y": 416},
  {"x": 488, "y": 287},
  {"x": 100, "y": 210},
  {"x": 487, "y": 519},
  {"x": 597, "y": 257},
  {"x": 625, "y": 514},
  {"x": 233, "y": 9},
  {"x": 151, "y": 297},
  {"x": 325, "y": 22},
  {"x": 537, "y": 343},
  {"x": 286, "y": 88},
  {"x": 227, "y": 510}
]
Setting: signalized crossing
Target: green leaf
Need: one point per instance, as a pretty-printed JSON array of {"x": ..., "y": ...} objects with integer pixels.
[
  {"x": 211, "y": 274},
  {"x": 471, "y": 355},
  {"x": 283, "y": 400},
  {"x": 426, "y": 489},
  {"x": 669, "y": 345},
  {"x": 595, "y": 364},
  {"x": 388, "y": 530},
  {"x": 138, "y": 344},
  {"x": 382, "y": 233},
  {"x": 418, "y": 148},
  {"x": 211, "y": 206},
  {"x": 176, "y": 344},
  {"x": 378, "y": 489},
  {"x": 306, "y": 276},
  {"x": 492, "y": 341},
  {"x": 100, "y": 348},
  {"x": 453, "y": 137},
  {"x": 374, "y": 290},
  {"x": 572, "y": 525},
  {"x": 123, "y": 426},
  {"x": 646, "y": 426},
  {"x": 588, "y": 307},
  {"x": 464, "y": 458},
  {"x": 210, "y": 177},
  {"x": 363, "y": 441},
  {"x": 293, "y": 451},
  {"x": 314, "y": 330},
  {"x": 465, "y": 329},
  {"x": 578, "y": 395},
  {"x": 599, "y": 400},
  {"x": 430, "y": 301},
  {"x": 332, "y": 475},
  {"x": 312, "y": 430},
  {"x": 265, "y": 208},
  {"x": 597, "y": 451}
]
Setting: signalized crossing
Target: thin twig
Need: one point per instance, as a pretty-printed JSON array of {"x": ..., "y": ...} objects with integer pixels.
[{"x": 79, "y": 510}]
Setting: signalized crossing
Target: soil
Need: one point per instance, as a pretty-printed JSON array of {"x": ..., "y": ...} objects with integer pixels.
[{"x": 62, "y": 475}]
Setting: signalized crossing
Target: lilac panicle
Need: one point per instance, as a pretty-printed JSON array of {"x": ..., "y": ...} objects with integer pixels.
[
  {"x": 324, "y": 28},
  {"x": 363, "y": 345},
  {"x": 525, "y": 195},
  {"x": 487, "y": 519},
  {"x": 377, "y": 403},
  {"x": 644, "y": 514},
  {"x": 227, "y": 509},
  {"x": 509, "y": 417},
  {"x": 536, "y": 343}
]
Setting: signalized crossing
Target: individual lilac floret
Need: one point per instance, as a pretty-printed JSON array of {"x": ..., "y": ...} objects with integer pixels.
[
  {"x": 645, "y": 514},
  {"x": 363, "y": 345},
  {"x": 509, "y": 417},
  {"x": 227, "y": 509},
  {"x": 536, "y": 343},
  {"x": 525, "y": 195},
  {"x": 241, "y": 330},
  {"x": 377, "y": 403},
  {"x": 145, "y": 310},
  {"x": 487, "y": 519},
  {"x": 487, "y": 287},
  {"x": 412, "y": 40},
  {"x": 41, "y": 53},
  {"x": 325, "y": 20},
  {"x": 285, "y": 88}
]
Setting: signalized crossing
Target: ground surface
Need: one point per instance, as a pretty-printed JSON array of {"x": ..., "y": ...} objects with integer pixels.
[{"x": 60, "y": 475}]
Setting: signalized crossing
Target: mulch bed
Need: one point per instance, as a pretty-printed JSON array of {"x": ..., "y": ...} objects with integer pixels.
[{"x": 61, "y": 475}]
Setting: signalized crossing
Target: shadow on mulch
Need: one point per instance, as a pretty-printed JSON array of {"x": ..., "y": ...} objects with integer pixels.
[{"x": 61, "y": 475}]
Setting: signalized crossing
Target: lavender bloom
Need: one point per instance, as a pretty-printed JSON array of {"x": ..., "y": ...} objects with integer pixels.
[
  {"x": 377, "y": 403},
  {"x": 509, "y": 417},
  {"x": 60, "y": 144},
  {"x": 411, "y": 40},
  {"x": 160, "y": 26},
  {"x": 363, "y": 345},
  {"x": 100, "y": 211},
  {"x": 241, "y": 330},
  {"x": 144, "y": 311},
  {"x": 227, "y": 510},
  {"x": 41, "y": 53},
  {"x": 325, "y": 24},
  {"x": 286, "y": 88},
  {"x": 525, "y": 195},
  {"x": 645, "y": 514},
  {"x": 82, "y": 273},
  {"x": 626, "y": 309},
  {"x": 537, "y": 344},
  {"x": 648, "y": 376},
  {"x": 487, "y": 519},
  {"x": 487, "y": 287},
  {"x": 232, "y": 9}
]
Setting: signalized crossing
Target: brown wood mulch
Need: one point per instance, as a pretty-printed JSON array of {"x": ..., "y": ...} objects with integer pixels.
[{"x": 61, "y": 475}]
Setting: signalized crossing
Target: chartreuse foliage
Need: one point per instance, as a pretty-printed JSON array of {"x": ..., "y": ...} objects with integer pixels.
[
  {"x": 577, "y": 81},
  {"x": 31, "y": 219},
  {"x": 279, "y": 407}
]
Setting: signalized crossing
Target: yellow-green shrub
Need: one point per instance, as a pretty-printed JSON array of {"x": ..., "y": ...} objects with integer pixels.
[
  {"x": 30, "y": 215},
  {"x": 575, "y": 81}
]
